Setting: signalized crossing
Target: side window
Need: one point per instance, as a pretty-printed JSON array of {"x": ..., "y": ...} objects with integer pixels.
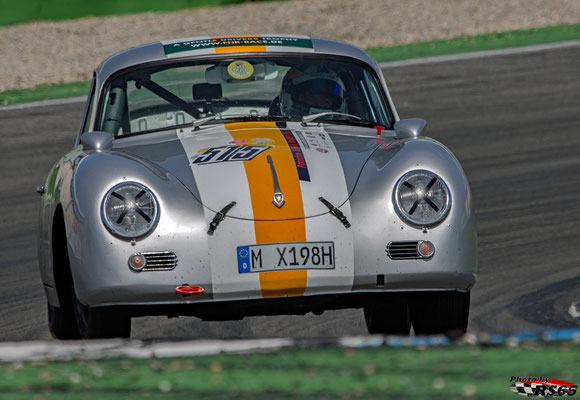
[{"x": 89, "y": 109}]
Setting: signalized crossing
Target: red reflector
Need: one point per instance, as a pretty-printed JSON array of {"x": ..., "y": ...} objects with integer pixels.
[{"x": 189, "y": 290}]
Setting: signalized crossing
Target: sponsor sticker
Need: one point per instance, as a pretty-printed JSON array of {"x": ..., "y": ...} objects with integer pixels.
[
  {"x": 302, "y": 139},
  {"x": 262, "y": 140},
  {"x": 240, "y": 69},
  {"x": 299, "y": 159},
  {"x": 318, "y": 141},
  {"x": 218, "y": 42}
]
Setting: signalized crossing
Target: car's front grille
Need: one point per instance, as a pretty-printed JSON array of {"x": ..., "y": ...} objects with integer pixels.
[
  {"x": 159, "y": 260},
  {"x": 403, "y": 250}
]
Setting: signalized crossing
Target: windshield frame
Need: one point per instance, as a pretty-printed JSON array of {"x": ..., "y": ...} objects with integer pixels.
[{"x": 212, "y": 57}]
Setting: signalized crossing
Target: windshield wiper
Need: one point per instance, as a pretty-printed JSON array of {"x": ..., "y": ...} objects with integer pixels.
[
  {"x": 312, "y": 117},
  {"x": 343, "y": 118},
  {"x": 200, "y": 121},
  {"x": 258, "y": 118}
]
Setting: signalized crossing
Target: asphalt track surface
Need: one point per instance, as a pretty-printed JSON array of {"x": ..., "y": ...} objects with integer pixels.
[{"x": 513, "y": 122}]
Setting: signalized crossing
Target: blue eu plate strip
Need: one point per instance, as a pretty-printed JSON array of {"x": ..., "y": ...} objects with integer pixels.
[{"x": 244, "y": 259}]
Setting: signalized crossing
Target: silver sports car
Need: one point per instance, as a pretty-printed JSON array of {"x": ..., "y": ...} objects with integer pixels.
[{"x": 224, "y": 177}]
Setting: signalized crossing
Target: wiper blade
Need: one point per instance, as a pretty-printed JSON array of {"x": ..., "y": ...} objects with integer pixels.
[
  {"x": 258, "y": 118},
  {"x": 313, "y": 117},
  {"x": 200, "y": 121},
  {"x": 342, "y": 118}
]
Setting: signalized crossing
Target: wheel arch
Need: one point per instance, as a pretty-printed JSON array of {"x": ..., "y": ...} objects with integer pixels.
[{"x": 60, "y": 261}]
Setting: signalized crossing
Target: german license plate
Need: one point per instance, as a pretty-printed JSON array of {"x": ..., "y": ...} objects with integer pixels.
[{"x": 285, "y": 256}]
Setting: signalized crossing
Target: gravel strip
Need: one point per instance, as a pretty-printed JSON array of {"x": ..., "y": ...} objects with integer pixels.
[{"x": 41, "y": 53}]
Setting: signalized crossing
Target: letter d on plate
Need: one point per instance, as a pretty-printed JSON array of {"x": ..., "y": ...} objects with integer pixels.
[{"x": 244, "y": 259}]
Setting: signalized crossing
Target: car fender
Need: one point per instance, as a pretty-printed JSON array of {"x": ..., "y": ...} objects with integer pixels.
[{"x": 378, "y": 223}]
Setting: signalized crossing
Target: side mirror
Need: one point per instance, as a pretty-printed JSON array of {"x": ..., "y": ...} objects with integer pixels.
[
  {"x": 97, "y": 141},
  {"x": 410, "y": 127}
]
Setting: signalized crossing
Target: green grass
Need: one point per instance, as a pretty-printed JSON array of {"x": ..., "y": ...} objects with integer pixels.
[
  {"x": 453, "y": 372},
  {"x": 47, "y": 92},
  {"x": 414, "y": 50},
  {"x": 14, "y": 12},
  {"x": 478, "y": 43}
]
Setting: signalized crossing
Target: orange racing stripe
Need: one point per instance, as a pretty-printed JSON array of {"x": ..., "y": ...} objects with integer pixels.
[{"x": 274, "y": 283}]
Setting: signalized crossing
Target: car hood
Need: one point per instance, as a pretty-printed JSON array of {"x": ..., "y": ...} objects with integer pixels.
[{"x": 248, "y": 163}]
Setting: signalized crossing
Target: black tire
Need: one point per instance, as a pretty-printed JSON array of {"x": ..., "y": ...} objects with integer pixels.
[
  {"x": 101, "y": 322},
  {"x": 62, "y": 323},
  {"x": 388, "y": 315},
  {"x": 440, "y": 312},
  {"x": 61, "y": 320}
]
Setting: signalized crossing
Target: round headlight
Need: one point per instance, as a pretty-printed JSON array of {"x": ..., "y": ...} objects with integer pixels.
[
  {"x": 130, "y": 210},
  {"x": 422, "y": 198}
]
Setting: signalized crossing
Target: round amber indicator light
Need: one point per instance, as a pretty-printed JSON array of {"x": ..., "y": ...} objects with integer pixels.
[
  {"x": 137, "y": 262},
  {"x": 426, "y": 249}
]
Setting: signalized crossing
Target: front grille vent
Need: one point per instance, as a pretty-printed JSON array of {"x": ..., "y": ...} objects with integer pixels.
[
  {"x": 403, "y": 250},
  {"x": 159, "y": 260}
]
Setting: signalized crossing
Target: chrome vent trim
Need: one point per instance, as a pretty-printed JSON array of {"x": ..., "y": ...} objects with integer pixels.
[
  {"x": 403, "y": 250},
  {"x": 159, "y": 260}
]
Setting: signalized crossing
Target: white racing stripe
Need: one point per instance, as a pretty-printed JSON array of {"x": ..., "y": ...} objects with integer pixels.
[
  {"x": 327, "y": 181},
  {"x": 219, "y": 184}
]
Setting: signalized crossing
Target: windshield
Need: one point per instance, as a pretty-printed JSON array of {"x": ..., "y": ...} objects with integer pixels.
[{"x": 276, "y": 88}]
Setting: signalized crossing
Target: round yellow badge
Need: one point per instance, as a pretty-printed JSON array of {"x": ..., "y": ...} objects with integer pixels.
[{"x": 240, "y": 69}]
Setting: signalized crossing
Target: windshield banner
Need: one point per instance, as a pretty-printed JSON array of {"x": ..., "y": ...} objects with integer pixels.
[{"x": 235, "y": 44}]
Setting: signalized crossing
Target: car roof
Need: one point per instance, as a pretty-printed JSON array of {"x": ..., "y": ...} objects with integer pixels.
[{"x": 206, "y": 46}]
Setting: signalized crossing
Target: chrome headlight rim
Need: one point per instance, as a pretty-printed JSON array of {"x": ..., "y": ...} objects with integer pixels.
[
  {"x": 409, "y": 219},
  {"x": 114, "y": 231}
]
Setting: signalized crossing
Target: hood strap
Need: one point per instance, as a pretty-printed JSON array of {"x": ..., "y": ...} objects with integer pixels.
[
  {"x": 336, "y": 212},
  {"x": 219, "y": 217}
]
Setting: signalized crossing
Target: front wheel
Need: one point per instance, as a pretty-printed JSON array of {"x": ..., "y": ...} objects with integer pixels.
[
  {"x": 439, "y": 312},
  {"x": 388, "y": 314},
  {"x": 101, "y": 322},
  {"x": 61, "y": 322}
]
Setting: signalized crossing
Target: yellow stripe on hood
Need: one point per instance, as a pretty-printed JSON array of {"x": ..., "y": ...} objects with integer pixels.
[{"x": 260, "y": 181}]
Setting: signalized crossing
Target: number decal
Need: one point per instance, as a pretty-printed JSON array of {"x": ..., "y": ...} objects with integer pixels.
[{"x": 234, "y": 152}]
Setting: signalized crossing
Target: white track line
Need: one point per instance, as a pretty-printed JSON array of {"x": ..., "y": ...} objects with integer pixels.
[
  {"x": 98, "y": 349},
  {"x": 386, "y": 65},
  {"x": 481, "y": 54}
]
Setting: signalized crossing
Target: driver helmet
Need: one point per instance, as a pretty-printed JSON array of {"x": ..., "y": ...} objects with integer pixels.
[{"x": 310, "y": 91}]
